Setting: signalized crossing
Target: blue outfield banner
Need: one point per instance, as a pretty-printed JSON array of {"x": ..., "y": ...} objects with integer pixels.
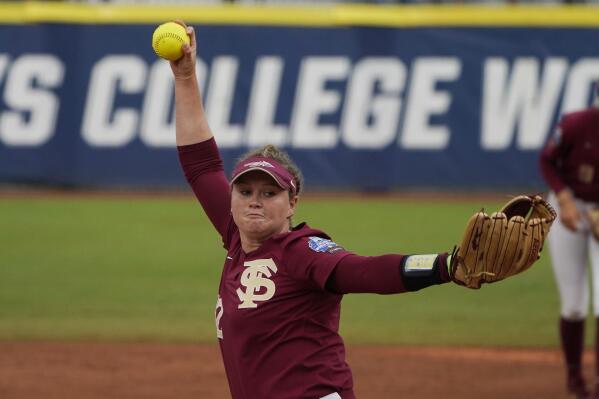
[{"x": 369, "y": 108}]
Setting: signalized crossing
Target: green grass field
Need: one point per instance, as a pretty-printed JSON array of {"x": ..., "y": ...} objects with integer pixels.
[{"x": 117, "y": 269}]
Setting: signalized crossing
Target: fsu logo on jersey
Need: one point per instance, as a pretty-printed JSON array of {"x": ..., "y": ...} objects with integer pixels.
[{"x": 256, "y": 280}]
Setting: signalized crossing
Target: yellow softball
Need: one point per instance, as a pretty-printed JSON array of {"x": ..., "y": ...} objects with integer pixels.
[{"x": 168, "y": 39}]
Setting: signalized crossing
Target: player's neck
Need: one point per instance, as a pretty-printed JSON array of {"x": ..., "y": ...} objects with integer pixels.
[{"x": 249, "y": 245}]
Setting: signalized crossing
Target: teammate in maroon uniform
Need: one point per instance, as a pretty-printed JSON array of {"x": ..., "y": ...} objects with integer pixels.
[
  {"x": 570, "y": 165},
  {"x": 278, "y": 306}
]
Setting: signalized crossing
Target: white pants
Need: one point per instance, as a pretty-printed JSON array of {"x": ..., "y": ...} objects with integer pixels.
[
  {"x": 570, "y": 253},
  {"x": 334, "y": 395}
]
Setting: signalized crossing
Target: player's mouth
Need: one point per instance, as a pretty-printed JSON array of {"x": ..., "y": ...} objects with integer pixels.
[{"x": 254, "y": 216}]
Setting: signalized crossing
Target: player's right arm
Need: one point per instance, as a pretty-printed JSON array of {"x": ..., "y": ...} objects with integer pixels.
[
  {"x": 190, "y": 118},
  {"x": 198, "y": 153}
]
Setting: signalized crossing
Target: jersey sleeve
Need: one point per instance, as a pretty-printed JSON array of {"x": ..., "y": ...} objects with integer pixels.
[
  {"x": 313, "y": 259},
  {"x": 329, "y": 267},
  {"x": 554, "y": 152},
  {"x": 203, "y": 169}
]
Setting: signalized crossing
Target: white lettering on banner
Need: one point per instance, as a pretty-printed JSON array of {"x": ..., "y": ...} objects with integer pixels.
[
  {"x": 425, "y": 101},
  {"x": 157, "y": 121},
  {"x": 219, "y": 101},
  {"x": 519, "y": 101},
  {"x": 313, "y": 100},
  {"x": 363, "y": 104},
  {"x": 32, "y": 121},
  {"x": 583, "y": 75},
  {"x": 103, "y": 125},
  {"x": 156, "y": 129},
  {"x": 521, "y": 105},
  {"x": 260, "y": 128},
  {"x": 3, "y": 65}
]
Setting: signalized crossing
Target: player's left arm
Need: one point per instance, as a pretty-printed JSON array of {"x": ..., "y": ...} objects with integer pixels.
[
  {"x": 388, "y": 274},
  {"x": 328, "y": 266}
]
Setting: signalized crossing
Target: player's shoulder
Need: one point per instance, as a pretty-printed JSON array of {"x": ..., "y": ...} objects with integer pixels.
[
  {"x": 302, "y": 233},
  {"x": 306, "y": 239}
]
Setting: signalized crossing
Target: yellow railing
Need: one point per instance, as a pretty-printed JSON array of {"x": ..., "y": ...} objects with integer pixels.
[{"x": 313, "y": 16}]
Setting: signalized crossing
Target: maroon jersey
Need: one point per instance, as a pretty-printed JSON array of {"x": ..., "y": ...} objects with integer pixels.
[
  {"x": 277, "y": 324},
  {"x": 571, "y": 157}
]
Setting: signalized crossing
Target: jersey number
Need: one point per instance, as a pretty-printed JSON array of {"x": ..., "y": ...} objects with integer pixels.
[{"x": 219, "y": 314}]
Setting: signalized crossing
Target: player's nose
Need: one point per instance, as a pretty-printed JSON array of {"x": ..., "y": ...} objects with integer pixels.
[{"x": 255, "y": 201}]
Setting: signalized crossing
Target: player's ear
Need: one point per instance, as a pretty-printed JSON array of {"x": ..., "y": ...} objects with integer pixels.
[{"x": 292, "y": 204}]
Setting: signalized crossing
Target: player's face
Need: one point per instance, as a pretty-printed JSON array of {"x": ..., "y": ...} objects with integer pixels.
[{"x": 260, "y": 207}]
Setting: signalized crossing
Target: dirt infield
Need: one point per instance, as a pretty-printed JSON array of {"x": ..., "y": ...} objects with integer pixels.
[{"x": 123, "y": 371}]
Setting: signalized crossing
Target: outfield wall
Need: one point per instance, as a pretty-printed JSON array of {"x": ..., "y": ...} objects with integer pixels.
[{"x": 372, "y": 98}]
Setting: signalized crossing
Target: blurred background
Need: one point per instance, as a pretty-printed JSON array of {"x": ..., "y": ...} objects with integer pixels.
[{"x": 405, "y": 117}]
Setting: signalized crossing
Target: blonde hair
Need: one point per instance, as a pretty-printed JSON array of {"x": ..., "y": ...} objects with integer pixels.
[{"x": 273, "y": 152}]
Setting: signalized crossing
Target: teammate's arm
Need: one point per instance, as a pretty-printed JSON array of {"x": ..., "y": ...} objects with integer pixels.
[
  {"x": 553, "y": 152},
  {"x": 550, "y": 156},
  {"x": 190, "y": 118},
  {"x": 568, "y": 212}
]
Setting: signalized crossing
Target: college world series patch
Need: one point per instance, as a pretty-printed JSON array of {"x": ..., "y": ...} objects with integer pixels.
[{"x": 318, "y": 244}]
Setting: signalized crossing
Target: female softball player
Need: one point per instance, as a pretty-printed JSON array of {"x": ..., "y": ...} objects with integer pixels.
[
  {"x": 569, "y": 163},
  {"x": 278, "y": 305}
]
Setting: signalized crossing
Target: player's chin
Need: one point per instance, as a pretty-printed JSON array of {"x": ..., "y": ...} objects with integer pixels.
[{"x": 256, "y": 226}]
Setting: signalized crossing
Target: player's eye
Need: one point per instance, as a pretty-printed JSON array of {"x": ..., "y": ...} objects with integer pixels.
[
  {"x": 245, "y": 192},
  {"x": 269, "y": 193}
]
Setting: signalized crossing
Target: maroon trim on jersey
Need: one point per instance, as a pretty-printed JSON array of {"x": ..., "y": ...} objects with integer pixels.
[{"x": 278, "y": 172}]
